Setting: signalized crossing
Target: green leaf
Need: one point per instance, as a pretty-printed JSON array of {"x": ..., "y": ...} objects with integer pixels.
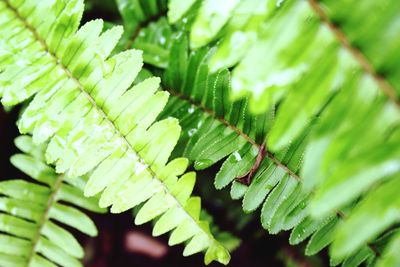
[
  {"x": 177, "y": 8},
  {"x": 391, "y": 256},
  {"x": 306, "y": 83},
  {"x": 281, "y": 192},
  {"x": 321, "y": 238},
  {"x": 211, "y": 18},
  {"x": 306, "y": 228},
  {"x": 155, "y": 41},
  {"x": 237, "y": 164},
  {"x": 34, "y": 168},
  {"x": 31, "y": 210},
  {"x": 94, "y": 120},
  {"x": 56, "y": 254},
  {"x": 263, "y": 183},
  {"x": 238, "y": 190},
  {"x": 14, "y": 246},
  {"x": 11, "y": 260},
  {"x": 74, "y": 218},
  {"x": 17, "y": 227},
  {"x": 370, "y": 217},
  {"x": 358, "y": 258},
  {"x": 63, "y": 239}
]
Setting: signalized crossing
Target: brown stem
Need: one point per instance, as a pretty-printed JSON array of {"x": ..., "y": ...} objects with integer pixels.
[
  {"x": 383, "y": 84},
  {"x": 248, "y": 177}
]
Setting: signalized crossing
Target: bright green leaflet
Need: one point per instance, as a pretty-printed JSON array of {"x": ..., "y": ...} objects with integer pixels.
[
  {"x": 93, "y": 123},
  {"x": 209, "y": 118},
  {"x": 31, "y": 213},
  {"x": 354, "y": 174}
]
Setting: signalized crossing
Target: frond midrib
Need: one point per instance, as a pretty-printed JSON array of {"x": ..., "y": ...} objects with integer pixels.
[
  {"x": 45, "y": 217},
  {"x": 268, "y": 154},
  {"x": 250, "y": 140},
  {"x": 103, "y": 114},
  {"x": 357, "y": 54}
]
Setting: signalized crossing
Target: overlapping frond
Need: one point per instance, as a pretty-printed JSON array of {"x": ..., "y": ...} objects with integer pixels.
[
  {"x": 215, "y": 129},
  {"x": 31, "y": 213},
  {"x": 334, "y": 110},
  {"x": 210, "y": 133},
  {"x": 314, "y": 60},
  {"x": 250, "y": 28},
  {"x": 94, "y": 122}
]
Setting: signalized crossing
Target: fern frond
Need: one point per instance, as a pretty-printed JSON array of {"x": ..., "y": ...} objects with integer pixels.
[
  {"x": 298, "y": 58},
  {"x": 391, "y": 256},
  {"x": 176, "y": 9},
  {"x": 277, "y": 184},
  {"x": 136, "y": 15},
  {"x": 201, "y": 102},
  {"x": 375, "y": 213},
  {"x": 207, "y": 117},
  {"x": 30, "y": 235},
  {"x": 250, "y": 27},
  {"x": 93, "y": 123},
  {"x": 155, "y": 41},
  {"x": 136, "y": 12}
]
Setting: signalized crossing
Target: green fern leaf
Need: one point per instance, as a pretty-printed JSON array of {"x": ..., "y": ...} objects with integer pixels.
[
  {"x": 31, "y": 213},
  {"x": 298, "y": 58},
  {"x": 353, "y": 120},
  {"x": 373, "y": 215},
  {"x": 197, "y": 100},
  {"x": 199, "y": 114},
  {"x": 391, "y": 256},
  {"x": 155, "y": 42},
  {"x": 136, "y": 15},
  {"x": 236, "y": 133},
  {"x": 93, "y": 123},
  {"x": 205, "y": 121},
  {"x": 176, "y": 9},
  {"x": 254, "y": 24},
  {"x": 136, "y": 12}
]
